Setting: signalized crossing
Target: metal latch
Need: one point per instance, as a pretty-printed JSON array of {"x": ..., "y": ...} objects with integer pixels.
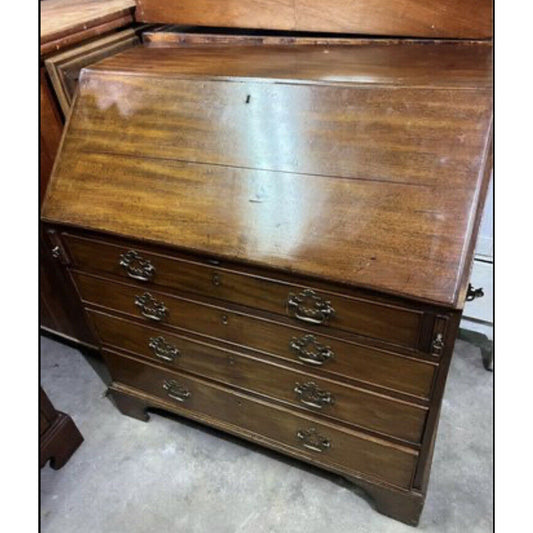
[{"x": 472, "y": 294}]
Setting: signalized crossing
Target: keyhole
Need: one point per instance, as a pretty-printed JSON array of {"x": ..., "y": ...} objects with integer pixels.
[
  {"x": 248, "y": 97},
  {"x": 225, "y": 319}
]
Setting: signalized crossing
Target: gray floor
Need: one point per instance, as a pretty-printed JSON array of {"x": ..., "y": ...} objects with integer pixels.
[{"x": 175, "y": 476}]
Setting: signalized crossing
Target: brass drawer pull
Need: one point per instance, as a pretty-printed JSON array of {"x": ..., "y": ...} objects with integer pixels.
[
  {"x": 313, "y": 440},
  {"x": 136, "y": 266},
  {"x": 163, "y": 349},
  {"x": 309, "y": 394},
  {"x": 310, "y": 351},
  {"x": 309, "y": 307},
  {"x": 175, "y": 390},
  {"x": 150, "y": 307}
]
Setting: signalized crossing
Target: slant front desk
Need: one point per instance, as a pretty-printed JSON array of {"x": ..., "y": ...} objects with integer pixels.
[{"x": 276, "y": 241}]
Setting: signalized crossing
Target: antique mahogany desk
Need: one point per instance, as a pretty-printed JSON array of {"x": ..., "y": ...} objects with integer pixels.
[{"x": 276, "y": 241}]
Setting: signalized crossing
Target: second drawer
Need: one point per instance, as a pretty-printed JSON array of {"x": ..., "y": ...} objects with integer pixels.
[{"x": 352, "y": 405}]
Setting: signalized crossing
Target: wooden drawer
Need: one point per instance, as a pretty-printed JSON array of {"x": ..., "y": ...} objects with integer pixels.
[
  {"x": 328, "y": 398},
  {"x": 356, "y": 315},
  {"x": 345, "y": 449},
  {"x": 364, "y": 364}
]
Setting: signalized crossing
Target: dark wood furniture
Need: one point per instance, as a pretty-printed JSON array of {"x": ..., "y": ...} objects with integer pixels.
[
  {"x": 73, "y": 35},
  {"x": 68, "y": 22},
  {"x": 276, "y": 241},
  {"x": 59, "y": 437},
  {"x": 64, "y": 67},
  {"x": 470, "y": 19}
]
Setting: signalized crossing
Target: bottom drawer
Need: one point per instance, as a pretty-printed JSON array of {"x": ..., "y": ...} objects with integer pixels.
[{"x": 347, "y": 450}]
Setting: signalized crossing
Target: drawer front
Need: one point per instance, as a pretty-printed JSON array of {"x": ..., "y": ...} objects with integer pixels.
[
  {"x": 305, "y": 305},
  {"x": 325, "y": 397},
  {"x": 327, "y": 443},
  {"x": 331, "y": 356}
]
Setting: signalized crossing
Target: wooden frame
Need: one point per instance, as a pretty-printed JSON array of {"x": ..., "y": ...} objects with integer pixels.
[
  {"x": 64, "y": 68},
  {"x": 66, "y": 22}
]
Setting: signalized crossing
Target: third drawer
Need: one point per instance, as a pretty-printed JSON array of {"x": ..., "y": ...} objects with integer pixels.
[{"x": 348, "y": 404}]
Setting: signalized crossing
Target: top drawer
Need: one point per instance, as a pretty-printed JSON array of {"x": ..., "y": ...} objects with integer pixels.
[{"x": 303, "y": 304}]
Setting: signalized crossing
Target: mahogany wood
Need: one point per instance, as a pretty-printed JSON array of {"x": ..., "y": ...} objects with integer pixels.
[
  {"x": 394, "y": 323},
  {"x": 244, "y": 173},
  {"x": 64, "y": 67},
  {"x": 411, "y": 63},
  {"x": 352, "y": 405},
  {"x": 417, "y": 18},
  {"x": 385, "y": 372},
  {"x": 72, "y": 39},
  {"x": 66, "y": 22},
  {"x": 415, "y": 172},
  {"x": 50, "y": 130},
  {"x": 207, "y": 318},
  {"x": 170, "y": 35},
  {"x": 60, "y": 308},
  {"x": 353, "y": 450},
  {"x": 400, "y": 504},
  {"x": 59, "y": 437}
]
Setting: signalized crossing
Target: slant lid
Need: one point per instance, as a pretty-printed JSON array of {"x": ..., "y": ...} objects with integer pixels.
[{"x": 362, "y": 165}]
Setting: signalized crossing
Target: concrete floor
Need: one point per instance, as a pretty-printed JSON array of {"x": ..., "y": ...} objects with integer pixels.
[{"x": 170, "y": 475}]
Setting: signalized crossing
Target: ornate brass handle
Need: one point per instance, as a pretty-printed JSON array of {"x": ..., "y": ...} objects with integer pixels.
[
  {"x": 163, "y": 349},
  {"x": 310, "y": 351},
  {"x": 136, "y": 266},
  {"x": 312, "y": 440},
  {"x": 150, "y": 307},
  {"x": 309, "y": 394},
  {"x": 175, "y": 390},
  {"x": 309, "y": 307}
]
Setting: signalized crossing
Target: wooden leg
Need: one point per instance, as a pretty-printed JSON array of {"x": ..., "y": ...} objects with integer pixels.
[
  {"x": 403, "y": 506},
  {"x": 59, "y": 442},
  {"x": 129, "y": 405}
]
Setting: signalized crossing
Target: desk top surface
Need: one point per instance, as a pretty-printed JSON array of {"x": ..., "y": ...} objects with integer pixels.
[
  {"x": 389, "y": 62},
  {"x": 363, "y": 165}
]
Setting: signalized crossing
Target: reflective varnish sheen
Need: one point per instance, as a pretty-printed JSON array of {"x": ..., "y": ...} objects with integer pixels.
[{"x": 276, "y": 241}]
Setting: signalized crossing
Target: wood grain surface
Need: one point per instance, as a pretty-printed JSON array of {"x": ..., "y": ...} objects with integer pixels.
[
  {"x": 50, "y": 131},
  {"x": 352, "y": 405},
  {"x": 172, "y": 35},
  {"x": 400, "y": 325},
  {"x": 408, "y": 18},
  {"x": 383, "y": 158},
  {"x": 220, "y": 320},
  {"x": 62, "y": 17},
  {"x": 351, "y": 450},
  {"x": 64, "y": 67},
  {"x": 399, "y": 63},
  {"x": 356, "y": 364}
]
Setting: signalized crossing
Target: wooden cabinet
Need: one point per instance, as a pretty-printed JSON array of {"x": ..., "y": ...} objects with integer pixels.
[
  {"x": 276, "y": 241},
  {"x": 73, "y": 34},
  {"x": 59, "y": 437}
]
